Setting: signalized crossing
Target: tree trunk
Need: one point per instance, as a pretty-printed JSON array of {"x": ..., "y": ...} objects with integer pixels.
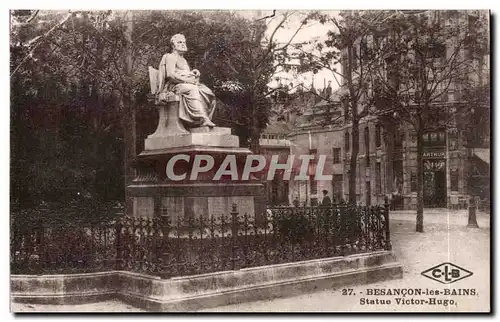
[
  {"x": 420, "y": 182},
  {"x": 129, "y": 115},
  {"x": 355, "y": 122},
  {"x": 353, "y": 160}
]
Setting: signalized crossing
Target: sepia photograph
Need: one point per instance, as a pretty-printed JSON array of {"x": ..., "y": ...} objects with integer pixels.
[{"x": 292, "y": 161}]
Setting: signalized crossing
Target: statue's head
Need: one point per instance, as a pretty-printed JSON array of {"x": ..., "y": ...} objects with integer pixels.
[{"x": 178, "y": 43}]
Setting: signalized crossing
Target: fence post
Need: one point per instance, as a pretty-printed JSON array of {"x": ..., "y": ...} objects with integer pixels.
[
  {"x": 165, "y": 228},
  {"x": 472, "y": 222},
  {"x": 388, "y": 245},
  {"x": 234, "y": 234},
  {"x": 119, "y": 253},
  {"x": 343, "y": 228}
]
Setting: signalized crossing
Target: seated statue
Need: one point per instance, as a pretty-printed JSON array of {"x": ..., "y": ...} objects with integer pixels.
[{"x": 197, "y": 101}]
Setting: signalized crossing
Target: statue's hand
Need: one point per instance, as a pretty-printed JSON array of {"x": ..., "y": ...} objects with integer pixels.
[
  {"x": 192, "y": 80},
  {"x": 196, "y": 73}
]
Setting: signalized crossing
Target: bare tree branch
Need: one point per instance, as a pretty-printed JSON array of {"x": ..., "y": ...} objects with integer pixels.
[
  {"x": 43, "y": 36},
  {"x": 270, "y": 16},
  {"x": 33, "y": 16}
]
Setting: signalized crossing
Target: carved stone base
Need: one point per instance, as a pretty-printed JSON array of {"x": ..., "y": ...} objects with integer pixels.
[
  {"x": 171, "y": 133},
  {"x": 182, "y": 201},
  {"x": 153, "y": 193},
  {"x": 216, "y": 137}
]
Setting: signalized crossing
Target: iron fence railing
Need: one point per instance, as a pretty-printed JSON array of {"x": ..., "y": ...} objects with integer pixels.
[
  {"x": 61, "y": 248},
  {"x": 171, "y": 247}
]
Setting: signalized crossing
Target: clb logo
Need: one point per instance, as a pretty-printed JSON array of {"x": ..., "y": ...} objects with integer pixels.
[{"x": 446, "y": 273}]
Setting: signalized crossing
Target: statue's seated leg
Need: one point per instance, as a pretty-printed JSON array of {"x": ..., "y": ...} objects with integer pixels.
[{"x": 194, "y": 106}]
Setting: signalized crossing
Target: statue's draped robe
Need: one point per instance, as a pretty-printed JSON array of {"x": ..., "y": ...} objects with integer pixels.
[{"x": 197, "y": 102}]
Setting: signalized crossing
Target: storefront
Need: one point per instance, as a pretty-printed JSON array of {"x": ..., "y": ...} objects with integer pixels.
[{"x": 435, "y": 194}]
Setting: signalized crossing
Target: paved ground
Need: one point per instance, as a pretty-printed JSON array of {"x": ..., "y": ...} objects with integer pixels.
[{"x": 446, "y": 239}]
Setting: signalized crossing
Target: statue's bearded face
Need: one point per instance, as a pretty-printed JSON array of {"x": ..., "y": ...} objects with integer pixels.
[{"x": 179, "y": 44}]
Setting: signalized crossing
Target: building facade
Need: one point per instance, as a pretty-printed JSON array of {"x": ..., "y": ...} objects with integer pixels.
[
  {"x": 387, "y": 155},
  {"x": 386, "y": 166},
  {"x": 318, "y": 131},
  {"x": 387, "y": 158},
  {"x": 273, "y": 141}
]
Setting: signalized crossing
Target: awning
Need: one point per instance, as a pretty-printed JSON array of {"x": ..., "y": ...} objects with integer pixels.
[{"x": 483, "y": 154}]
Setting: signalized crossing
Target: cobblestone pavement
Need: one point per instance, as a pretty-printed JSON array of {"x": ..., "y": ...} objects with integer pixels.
[{"x": 446, "y": 239}]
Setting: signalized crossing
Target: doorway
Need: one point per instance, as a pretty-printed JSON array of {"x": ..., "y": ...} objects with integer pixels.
[{"x": 435, "y": 183}]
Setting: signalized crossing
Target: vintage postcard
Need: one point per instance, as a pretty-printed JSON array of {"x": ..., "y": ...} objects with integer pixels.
[{"x": 250, "y": 161}]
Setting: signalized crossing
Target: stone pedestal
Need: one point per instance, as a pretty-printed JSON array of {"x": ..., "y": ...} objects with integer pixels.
[
  {"x": 171, "y": 133},
  {"x": 154, "y": 194}
]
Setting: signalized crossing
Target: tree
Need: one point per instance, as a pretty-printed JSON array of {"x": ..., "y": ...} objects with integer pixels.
[
  {"x": 428, "y": 56},
  {"x": 260, "y": 58},
  {"x": 348, "y": 45},
  {"x": 64, "y": 140}
]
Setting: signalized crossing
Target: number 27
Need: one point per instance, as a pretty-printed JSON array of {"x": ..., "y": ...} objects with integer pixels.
[{"x": 347, "y": 291}]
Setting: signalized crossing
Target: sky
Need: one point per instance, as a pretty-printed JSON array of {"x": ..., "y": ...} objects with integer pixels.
[{"x": 313, "y": 30}]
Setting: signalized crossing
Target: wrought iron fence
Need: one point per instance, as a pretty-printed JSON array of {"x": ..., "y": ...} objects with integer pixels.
[
  {"x": 170, "y": 247},
  {"x": 62, "y": 247}
]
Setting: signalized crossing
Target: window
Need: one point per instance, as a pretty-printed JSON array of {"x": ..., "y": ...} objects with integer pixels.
[
  {"x": 313, "y": 184},
  {"x": 442, "y": 137},
  {"x": 453, "y": 145},
  {"x": 378, "y": 136},
  {"x": 437, "y": 50},
  {"x": 367, "y": 145},
  {"x": 274, "y": 194},
  {"x": 398, "y": 140},
  {"x": 337, "y": 187},
  {"x": 454, "y": 179},
  {"x": 435, "y": 138},
  {"x": 413, "y": 182},
  {"x": 471, "y": 22},
  {"x": 347, "y": 142},
  {"x": 368, "y": 194},
  {"x": 336, "y": 155},
  {"x": 378, "y": 178}
]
